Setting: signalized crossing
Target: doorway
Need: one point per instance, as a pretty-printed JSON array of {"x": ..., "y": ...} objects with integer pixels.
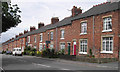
[
  {"x": 74, "y": 47},
  {"x": 68, "y": 48}
]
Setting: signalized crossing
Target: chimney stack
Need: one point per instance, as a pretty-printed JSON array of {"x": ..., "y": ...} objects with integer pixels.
[
  {"x": 20, "y": 34},
  {"x": 25, "y": 31},
  {"x": 40, "y": 25},
  {"x": 16, "y": 36},
  {"x": 76, "y": 11},
  {"x": 32, "y": 28},
  {"x": 12, "y": 38},
  {"x": 54, "y": 20}
]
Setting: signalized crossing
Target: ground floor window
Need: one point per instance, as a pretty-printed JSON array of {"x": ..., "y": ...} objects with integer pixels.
[
  {"x": 51, "y": 46},
  {"x": 107, "y": 44},
  {"x": 83, "y": 46},
  {"x": 62, "y": 46},
  {"x": 35, "y": 47},
  {"x": 40, "y": 47}
]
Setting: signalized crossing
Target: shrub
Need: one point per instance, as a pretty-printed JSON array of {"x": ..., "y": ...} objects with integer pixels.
[
  {"x": 28, "y": 48},
  {"x": 39, "y": 53},
  {"x": 50, "y": 53},
  {"x": 3, "y": 52}
]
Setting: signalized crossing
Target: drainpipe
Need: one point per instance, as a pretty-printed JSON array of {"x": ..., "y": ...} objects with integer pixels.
[
  {"x": 93, "y": 36},
  {"x": 56, "y": 39}
]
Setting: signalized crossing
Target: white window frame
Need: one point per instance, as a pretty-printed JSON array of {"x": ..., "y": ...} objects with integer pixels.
[
  {"x": 28, "y": 39},
  {"x": 51, "y": 46},
  {"x": 51, "y": 35},
  {"x": 83, "y": 28},
  {"x": 106, "y": 22},
  {"x": 35, "y": 46},
  {"x": 40, "y": 47},
  {"x": 105, "y": 41},
  {"x": 83, "y": 46},
  {"x": 62, "y": 31},
  {"x": 41, "y": 37},
  {"x": 62, "y": 46}
]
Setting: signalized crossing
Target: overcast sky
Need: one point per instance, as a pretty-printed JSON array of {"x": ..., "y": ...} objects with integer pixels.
[{"x": 35, "y": 11}]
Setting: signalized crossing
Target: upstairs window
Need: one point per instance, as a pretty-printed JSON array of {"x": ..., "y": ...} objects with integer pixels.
[
  {"x": 51, "y": 35},
  {"x": 84, "y": 28},
  {"x": 41, "y": 36},
  {"x": 107, "y": 24},
  {"x": 62, "y": 34}
]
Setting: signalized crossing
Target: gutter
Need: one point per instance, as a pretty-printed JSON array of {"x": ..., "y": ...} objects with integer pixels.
[
  {"x": 93, "y": 36},
  {"x": 56, "y": 39}
]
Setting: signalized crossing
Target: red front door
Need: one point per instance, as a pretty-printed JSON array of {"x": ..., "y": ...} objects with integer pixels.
[{"x": 74, "y": 49}]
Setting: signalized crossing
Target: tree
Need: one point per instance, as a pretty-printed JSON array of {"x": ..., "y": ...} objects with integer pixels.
[{"x": 10, "y": 16}]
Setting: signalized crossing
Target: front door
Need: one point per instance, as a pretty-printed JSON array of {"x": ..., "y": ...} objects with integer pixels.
[
  {"x": 74, "y": 47},
  {"x": 68, "y": 48}
]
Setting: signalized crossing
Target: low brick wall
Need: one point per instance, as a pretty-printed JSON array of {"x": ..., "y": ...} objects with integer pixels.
[
  {"x": 67, "y": 57},
  {"x": 96, "y": 60}
]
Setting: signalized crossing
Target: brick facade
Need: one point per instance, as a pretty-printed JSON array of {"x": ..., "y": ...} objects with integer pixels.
[{"x": 72, "y": 35}]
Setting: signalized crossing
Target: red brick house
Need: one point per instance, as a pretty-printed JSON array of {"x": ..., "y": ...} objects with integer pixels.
[{"x": 96, "y": 29}]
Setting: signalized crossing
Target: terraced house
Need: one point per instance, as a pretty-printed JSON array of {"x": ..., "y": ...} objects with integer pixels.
[{"x": 97, "y": 29}]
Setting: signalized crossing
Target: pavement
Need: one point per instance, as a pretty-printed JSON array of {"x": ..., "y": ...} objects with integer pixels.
[
  {"x": 10, "y": 62},
  {"x": 105, "y": 65}
]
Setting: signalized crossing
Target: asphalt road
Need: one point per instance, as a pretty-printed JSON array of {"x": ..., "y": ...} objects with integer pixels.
[{"x": 32, "y": 63}]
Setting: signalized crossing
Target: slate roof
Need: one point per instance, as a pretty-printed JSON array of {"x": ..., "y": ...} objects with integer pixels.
[
  {"x": 99, "y": 10},
  {"x": 67, "y": 21}
]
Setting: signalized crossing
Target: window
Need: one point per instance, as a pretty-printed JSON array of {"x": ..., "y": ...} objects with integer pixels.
[
  {"x": 40, "y": 47},
  {"x": 35, "y": 39},
  {"x": 62, "y": 46},
  {"x": 35, "y": 47},
  {"x": 107, "y": 24},
  {"x": 51, "y": 35},
  {"x": 51, "y": 46},
  {"x": 28, "y": 39},
  {"x": 83, "y": 46},
  {"x": 83, "y": 28},
  {"x": 107, "y": 45},
  {"x": 62, "y": 34},
  {"x": 41, "y": 37}
]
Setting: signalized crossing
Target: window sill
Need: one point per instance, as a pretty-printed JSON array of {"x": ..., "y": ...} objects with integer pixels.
[
  {"x": 40, "y": 41},
  {"x": 62, "y": 38},
  {"x": 107, "y": 30},
  {"x": 83, "y": 33},
  {"x": 107, "y": 52},
  {"x": 82, "y": 52}
]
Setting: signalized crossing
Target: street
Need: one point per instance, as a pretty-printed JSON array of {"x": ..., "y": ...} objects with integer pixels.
[{"x": 10, "y": 62}]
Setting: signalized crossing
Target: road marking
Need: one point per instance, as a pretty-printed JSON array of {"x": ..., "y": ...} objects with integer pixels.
[
  {"x": 2, "y": 69},
  {"x": 41, "y": 65},
  {"x": 64, "y": 69},
  {"x": 102, "y": 66},
  {"x": 22, "y": 60}
]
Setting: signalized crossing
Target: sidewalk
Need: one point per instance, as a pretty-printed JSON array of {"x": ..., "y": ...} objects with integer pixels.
[{"x": 107, "y": 65}]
